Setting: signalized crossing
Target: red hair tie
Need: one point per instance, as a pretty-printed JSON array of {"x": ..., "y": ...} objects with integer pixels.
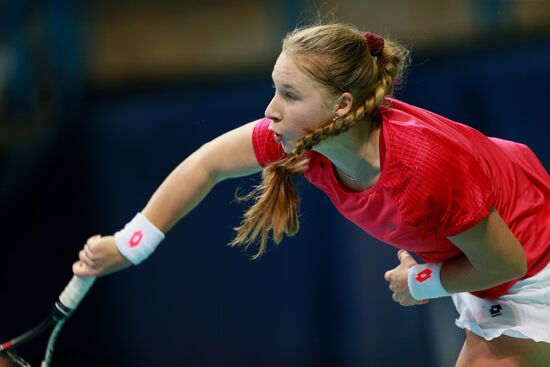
[{"x": 376, "y": 43}]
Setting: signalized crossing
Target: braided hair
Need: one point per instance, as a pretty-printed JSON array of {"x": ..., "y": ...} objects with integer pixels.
[{"x": 341, "y": 59}]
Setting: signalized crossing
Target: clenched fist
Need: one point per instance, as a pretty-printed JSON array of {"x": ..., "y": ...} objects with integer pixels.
[
  {"x": 398, "y": 278},
  {"x": 99, "y": 257}
]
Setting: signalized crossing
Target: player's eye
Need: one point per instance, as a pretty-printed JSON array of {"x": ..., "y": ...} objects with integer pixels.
[{"x": 290, "y": 96}]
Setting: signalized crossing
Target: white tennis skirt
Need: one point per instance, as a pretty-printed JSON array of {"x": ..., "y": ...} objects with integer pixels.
[{"x": 524, "y": 312}]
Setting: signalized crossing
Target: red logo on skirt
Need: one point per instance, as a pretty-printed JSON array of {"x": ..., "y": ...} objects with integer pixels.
[
  {"x": 424, "y": 275},
  {"x": 136, "y": 238}
]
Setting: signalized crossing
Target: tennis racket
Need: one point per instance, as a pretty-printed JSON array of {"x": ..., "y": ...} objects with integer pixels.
[{"x": 68, "y": 301}]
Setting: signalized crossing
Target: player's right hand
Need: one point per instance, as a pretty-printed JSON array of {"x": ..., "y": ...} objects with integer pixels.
[{"x": 99, "y": 257}]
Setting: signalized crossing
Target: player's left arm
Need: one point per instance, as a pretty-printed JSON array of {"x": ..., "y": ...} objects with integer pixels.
[{"x": 493, "y": 255}]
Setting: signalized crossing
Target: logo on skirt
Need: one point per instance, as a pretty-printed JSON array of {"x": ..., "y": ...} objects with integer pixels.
[{"x": 495, "y": 310}]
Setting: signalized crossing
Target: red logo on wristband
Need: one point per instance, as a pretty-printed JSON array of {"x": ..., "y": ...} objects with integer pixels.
[
  {"x": 136, "y": 238},
  {"x": 424, "y": 275}
]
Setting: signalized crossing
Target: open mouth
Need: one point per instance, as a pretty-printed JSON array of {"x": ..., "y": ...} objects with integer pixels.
[{"x": 278, "y": 137}]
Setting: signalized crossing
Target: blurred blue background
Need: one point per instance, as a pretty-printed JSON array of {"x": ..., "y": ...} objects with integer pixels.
[{"x": 99, "y": 100}]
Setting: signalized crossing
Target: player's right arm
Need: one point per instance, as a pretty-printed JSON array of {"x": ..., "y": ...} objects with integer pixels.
[{"x": 228, "y": 156}]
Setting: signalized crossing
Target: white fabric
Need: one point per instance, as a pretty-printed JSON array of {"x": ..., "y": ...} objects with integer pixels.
[
  {"x": 524, "y": 312},
  {"x": 425, "y": 282},
  {"x": 138, "y": 239}
]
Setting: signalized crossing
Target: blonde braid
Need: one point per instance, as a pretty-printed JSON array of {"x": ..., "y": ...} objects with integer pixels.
[
  {"x": 275, "y": 209},
  {"x": 276, "y": 206}
]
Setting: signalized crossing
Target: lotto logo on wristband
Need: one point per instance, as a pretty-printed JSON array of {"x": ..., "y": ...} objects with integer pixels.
[
  {"x": 136, "y": 238},
  {"x": 424, "y": 275},
  {"x": 418, "y": 285}
]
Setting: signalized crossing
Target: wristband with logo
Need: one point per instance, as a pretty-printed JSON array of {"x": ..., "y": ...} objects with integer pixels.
[
  {"x": 425, "y": 282},
  {"x": 138, "y": 239}
]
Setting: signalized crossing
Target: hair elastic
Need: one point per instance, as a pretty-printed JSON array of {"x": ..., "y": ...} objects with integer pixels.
[{"x": 376, "y": 43}]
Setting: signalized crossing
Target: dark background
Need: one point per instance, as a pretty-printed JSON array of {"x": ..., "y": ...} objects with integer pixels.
[{"x": 91, "y": 122}]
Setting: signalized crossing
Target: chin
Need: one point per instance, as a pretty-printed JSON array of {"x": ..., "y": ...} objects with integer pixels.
[{"x": 287, "y": 147}]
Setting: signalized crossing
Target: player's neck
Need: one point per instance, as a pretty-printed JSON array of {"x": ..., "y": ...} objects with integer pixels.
[{"x": 355, "y": 154}]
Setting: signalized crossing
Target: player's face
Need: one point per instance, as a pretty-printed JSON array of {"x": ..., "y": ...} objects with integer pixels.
[{"x": 299, "y": 105}]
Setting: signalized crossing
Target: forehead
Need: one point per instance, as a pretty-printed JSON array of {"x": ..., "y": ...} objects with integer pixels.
[{"x": 287, "y": 71}]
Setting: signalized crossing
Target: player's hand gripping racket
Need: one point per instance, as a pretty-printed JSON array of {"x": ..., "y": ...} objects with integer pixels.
[{"x": 68, "y": 301}]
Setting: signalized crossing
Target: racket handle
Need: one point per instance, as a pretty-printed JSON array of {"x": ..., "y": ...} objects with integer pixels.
[{"x": 75, "y": 291}]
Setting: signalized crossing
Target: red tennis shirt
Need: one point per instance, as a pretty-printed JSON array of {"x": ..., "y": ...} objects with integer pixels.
[{"x": 438, "y": 178}]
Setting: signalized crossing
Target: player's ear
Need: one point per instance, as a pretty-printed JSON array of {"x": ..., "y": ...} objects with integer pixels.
[{"x": 344, "y": 104}]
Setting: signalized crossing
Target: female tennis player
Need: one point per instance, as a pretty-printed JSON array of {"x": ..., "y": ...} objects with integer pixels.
[{"x": 475, "y": 209}]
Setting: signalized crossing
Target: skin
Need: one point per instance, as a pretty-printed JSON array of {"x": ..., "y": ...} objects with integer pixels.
[
  {"x": 492, "y": 255},
  {"x": 503, "y": 351}
]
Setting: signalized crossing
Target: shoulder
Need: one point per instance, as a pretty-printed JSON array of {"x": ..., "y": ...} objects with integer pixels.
[
  {"x": 418, "y": 141},
  {"x": 435, "y": 175},
  {"x": 422, "y": 140}
]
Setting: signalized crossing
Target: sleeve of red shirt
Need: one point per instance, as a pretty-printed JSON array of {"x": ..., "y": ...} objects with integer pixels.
[
  {"x": 443, "y": 185},
  {"x": 267, "y": 150}
]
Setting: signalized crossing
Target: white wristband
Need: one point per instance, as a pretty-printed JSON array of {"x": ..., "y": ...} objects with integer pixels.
[
  {"x": 138, "y": 239},
  {"x": 425, "y": 282}
]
